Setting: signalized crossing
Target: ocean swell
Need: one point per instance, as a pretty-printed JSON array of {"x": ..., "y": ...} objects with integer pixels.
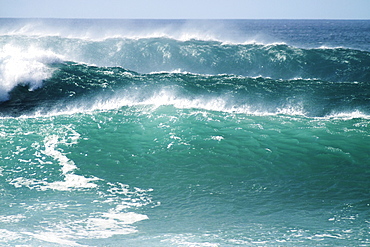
[
  {"x": 50, "y": 71},
  {"x": 78, "y": 87},
  {"x": 145, "y": 55}
]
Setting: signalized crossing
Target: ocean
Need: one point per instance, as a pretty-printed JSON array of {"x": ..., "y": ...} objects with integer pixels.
[{"x": 184, "y": 132}]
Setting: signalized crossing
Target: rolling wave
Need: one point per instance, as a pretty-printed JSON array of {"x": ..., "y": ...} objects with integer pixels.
[
  {"x": 44, "y": 71},
  {"x": 145, "y": 55},
  {"x": 173, "y": 132},
  {"x": 81, "y": 87}
]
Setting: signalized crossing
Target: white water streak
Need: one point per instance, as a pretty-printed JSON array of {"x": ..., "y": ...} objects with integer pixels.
[{"x": 71, "y": 180}]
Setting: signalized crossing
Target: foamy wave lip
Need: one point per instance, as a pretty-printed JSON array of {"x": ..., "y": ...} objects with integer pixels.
[
  {"x": 348, "y": 115},
  {"x": 175, "y": 71},
  {"x": 189, "y": 30},
  {"x": 165, "y": 97},
  {"x": 293, "y": 110},
  {"x": 26, "y": 66},
  {"x": 324, "y": 47},
  {"x": 170, "y": 97},
  {"x": 96, "y": 33},
  {"x": 180, "y": 36}
]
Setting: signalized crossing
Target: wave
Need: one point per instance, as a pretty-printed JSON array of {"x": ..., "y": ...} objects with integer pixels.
[
  {"x": 100, "y": 30},
  {"x": 300, "y": 33},
  {"x": 277, "y": 60},
  {"x": 80, "y": 87},
  {"x": 91, "y": 65}
]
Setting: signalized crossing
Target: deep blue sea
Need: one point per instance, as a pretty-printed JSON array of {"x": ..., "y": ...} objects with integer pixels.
[{"x": 196, "y": 133}]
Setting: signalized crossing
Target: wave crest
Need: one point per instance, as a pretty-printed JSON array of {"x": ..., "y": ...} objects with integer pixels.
[
  {"x": 79, "y": 88},
  {"x": 25, "y": 66},
  {"x": 146, "y": 55}
]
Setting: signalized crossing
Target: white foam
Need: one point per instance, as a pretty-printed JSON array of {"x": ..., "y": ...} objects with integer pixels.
[
  {"x": 325, "y": 235},
  {"x": 86, "y": 222},
  {"x": 293, "y": 110},
  {"x": 164, "y": 97},
  {"x": 26, "y": 66},
  {"x": 348, "y": 115},
  {"x": 190, "y": 240},
  {"x": 95, "y": 226},
  {"x": 98, "y": 225},
  {"x": 125, "y": 218},
  {"x": 12, "y": 218},
  {"x": 217, "y": 138},
  {"x": 52, "y": 237},
  {"x": 168, "y": 96},
  {"x": 6, "y": 236},
  {"x": 324, "y": 47},
  {"x": 71, "y": 180}
]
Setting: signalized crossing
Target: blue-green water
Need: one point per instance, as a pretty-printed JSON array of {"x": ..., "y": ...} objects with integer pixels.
[{"x": 184, "y": 133}]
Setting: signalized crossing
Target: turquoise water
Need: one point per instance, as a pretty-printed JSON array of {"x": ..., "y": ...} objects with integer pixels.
[{"x": 160, "y": 140}]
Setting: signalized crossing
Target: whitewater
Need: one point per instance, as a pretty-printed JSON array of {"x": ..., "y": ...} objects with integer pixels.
[{"x": 184, "y": 132}]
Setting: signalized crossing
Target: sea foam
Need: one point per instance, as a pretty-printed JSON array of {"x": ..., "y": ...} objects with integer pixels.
[{"x": 24, "y": 66}]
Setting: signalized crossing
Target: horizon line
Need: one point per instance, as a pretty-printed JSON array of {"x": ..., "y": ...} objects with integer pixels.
[{"x": 105, "y": 18}]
